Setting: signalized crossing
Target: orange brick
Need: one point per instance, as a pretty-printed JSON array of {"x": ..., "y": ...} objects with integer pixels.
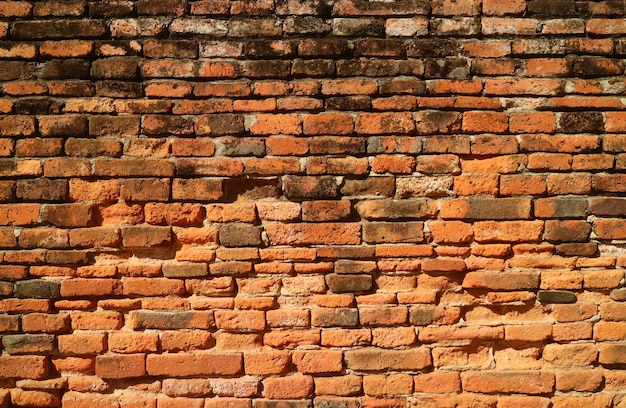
[
  {"x": 186, "y": 364},
  {"x": 272, "y": 124},
  {"x": 312, "y": 362},
  {"x": 294, "y": 386},
  {"x": 530, "y": 382},
  {"x": 483, "y": 122},
  {"x": 441, "y": 382},
  {"x": 532, "y": 122},
  {"x": 547, "y": 67},
  {"x": 387, "y": 385}
]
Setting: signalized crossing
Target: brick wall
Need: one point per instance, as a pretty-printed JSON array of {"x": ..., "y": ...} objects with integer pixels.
[{"x": 312, "y": 203}]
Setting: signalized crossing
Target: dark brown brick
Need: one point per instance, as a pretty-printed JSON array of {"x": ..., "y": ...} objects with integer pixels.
[
  {"x": 116, "y": 68},
  {"x": 607, "y": 206},
  {"x": 37, "y": 289},
  {"x": 145, "y": 319},
  {"x": 451, "y": 68},
  {"x": 159, "y": 125},
  {"x": 322, "y": 48},
  {"x": 93, "y": 147},
  {"x": 63, "y": 125},
  {"x": 145, "y": 189},
  {"x": 240, "y": 235},
  {"x": 361, "y": 27},
  {"x": 549, "y": 8},
  {"x": 390, "y": 209},
  {"x": 267, "y": 69},
  {"x": 581, "y": 122},
  {"x": 310, "y": 187},
  {"x": 28, "y": 343},
  {"x": 68, "y": 215},
  {"x": 433, "y": 48},
  {"x": 313, "y": 68},
  {"x": 146, "y": 236},
  {"x": 566, "y": 231},
  {"x": 335, "y": 317},
  {"x": 591, "y": 67},
  {"x": 155, "y": 7},
  {"x": 114, "y": 125},
  {"x": 393, "y": 232},
  {"x": 349, "y": 283},
  {"x": 589, "y": 249},
  {"x": 64, "y": 69},
  {"x": 33, "y": 30},
  {"x": 220, "y": 124},
  {"x": 12, "y": 70},
  {"x": 170, "y": 49},
  {"x": 41, "y": 189}
]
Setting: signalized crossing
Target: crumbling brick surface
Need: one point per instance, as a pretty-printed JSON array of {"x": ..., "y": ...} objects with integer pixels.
[{"x": 312, "y": 203}]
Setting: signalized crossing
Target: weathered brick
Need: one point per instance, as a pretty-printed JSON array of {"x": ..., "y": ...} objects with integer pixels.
[
  {"x": 186, "y": 364},
  {"x": 385, "y": 209},
  {"x": 145, "y": 236},
  {"x": 531, "y": 382},
  {"x": 485, "y": 209},
  {"x": 34, "y": 367},
  {"x": 37, "y": 289},
  {"x": 172, "y": 320},
  {"x": 28, "y": 343},
  {"x": 374, "y": 359},
  {"x": 26, "y": 30},
  {"x": 567, "y": 231},
  {"x": 384, "y": 232},
  {"x": 120, "y": 366}
]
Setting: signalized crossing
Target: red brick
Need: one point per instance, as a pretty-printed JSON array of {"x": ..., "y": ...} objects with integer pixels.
[{"x": 101, "y": 320}]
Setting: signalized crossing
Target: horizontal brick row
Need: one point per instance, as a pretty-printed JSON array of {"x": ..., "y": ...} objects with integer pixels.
[{"x": 576, "y": 131}]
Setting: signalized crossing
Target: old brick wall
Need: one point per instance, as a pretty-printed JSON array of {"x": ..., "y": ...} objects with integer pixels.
[{"x": 312, "y": 203}]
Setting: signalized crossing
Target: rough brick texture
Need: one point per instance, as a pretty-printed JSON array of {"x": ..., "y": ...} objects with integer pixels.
[{"x": 312, "y": 203}]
